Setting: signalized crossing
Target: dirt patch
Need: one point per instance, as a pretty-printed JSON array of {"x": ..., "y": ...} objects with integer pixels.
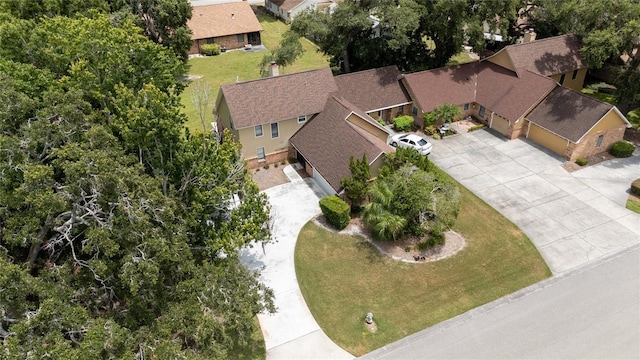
[
  {"x": 592, "y": 160},
  {"x": 267, "y": 178},
  {"x": 405, "y": 250}
]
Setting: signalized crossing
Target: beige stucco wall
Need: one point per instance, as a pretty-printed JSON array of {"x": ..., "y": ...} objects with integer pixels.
[
  {"x": 369, "y": 127},
  {"x": 501, "y": 58},
  {"x": 375, "y": 166},
  {"x": 251, "y": 143},
  {"x": 575, "y": 84},
  {"x": 547, "y": 139},
  {"x": 223, "y": 118}
]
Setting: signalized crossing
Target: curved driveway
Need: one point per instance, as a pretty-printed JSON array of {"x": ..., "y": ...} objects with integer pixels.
[{"x": 572, "y": 218}]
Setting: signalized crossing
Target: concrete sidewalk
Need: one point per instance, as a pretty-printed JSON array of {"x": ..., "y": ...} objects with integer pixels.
[
  {"x": 292, "y": 332},
  {"x": 572, "y": 218}
]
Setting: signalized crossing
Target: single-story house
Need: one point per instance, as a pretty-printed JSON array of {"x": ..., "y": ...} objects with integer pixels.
[
  {"x": 326, "y": 143},
  {"x": 231, "y": 25},
  {"x": 556, "y": 57},
  {"x": 288, "y": 9}
]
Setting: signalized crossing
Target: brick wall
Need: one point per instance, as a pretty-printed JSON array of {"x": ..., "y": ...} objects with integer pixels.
[
  {"x": 269, "y": 159},
  {"x": 587, "y": 147}
]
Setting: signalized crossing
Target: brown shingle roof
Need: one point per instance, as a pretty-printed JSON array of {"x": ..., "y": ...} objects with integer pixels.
[
  {"x": 568, "y": 113},
  {"x": 503, "y": 92},
  {"x": 454, "y": 85},
  {"x": 373, "y": 89},
  {"x": 328, "y": 141},
  {"x": 286, "y": 5},
  {"x": 216, "y": 20},
  {"x": 550, "y": 56},
  {"x": 278, "y": 98}
]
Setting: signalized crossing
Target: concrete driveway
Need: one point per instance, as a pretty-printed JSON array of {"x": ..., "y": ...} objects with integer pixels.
[
  {"x": 572, "y": 218},
  {"x": 292, "y": 332}
]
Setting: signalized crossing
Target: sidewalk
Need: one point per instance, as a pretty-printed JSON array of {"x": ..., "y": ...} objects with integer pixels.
[{"x": 292, "y": 332}]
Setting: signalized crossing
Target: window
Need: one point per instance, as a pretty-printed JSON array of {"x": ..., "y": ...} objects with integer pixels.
[
  {"x": 599, "y": 142},
  {"x": 562, "y": 79},
  {"x": 481, "y": 111},
  {"x": 258, "y": 130},
  {"x": 379, "y": 114},
  {"x": 401, "y": 108},
  {"x": 466, "y": 106},
  {"x": 240, "y": 38},
  {"x": 210, "y": 41},
  {"x": 414, "y": 111},
  {"x": 302, "y": 118},
  {"x": 274, "y": 130},
  {"x": 575, "y": 74},
  {"x": 260, "y": 153}
]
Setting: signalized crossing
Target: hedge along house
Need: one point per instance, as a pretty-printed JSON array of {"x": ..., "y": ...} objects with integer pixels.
[
  {"x": 327, "y": 142},
  {"x": 575, "y": 125},
  {"x": 263, "y": 114},
  {"x": 230, "y": 25}
]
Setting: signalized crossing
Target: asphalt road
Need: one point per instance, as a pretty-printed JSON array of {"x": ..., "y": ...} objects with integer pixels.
[{"x": 590, "y": 313}]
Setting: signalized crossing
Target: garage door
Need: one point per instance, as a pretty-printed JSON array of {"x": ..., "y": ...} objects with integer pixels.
[
  {"x": 500, "y": 125},
  {"x": 547, "y": 139}
]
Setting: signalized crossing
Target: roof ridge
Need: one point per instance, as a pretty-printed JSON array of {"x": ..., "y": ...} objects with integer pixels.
[
  {"x": 538, "y": 40},
  {"x": 275, "y": 77},
  {"x": 587, "y": 96},
  {"x": 367, "y": 70}
]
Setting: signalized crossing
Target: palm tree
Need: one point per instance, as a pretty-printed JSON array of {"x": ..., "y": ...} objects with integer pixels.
[
  {"x": 447, "y": 113},
  {"x": 385, "y": 224}
]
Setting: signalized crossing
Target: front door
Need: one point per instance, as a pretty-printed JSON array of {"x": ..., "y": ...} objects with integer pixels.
[{"x": 254, "y": 38}]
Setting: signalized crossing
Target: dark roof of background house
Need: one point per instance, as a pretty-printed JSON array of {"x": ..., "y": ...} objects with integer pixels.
[
  {"x": 217, "y": 20},
  {"x": 286, "y": 5},
  {"x": 328, "y": 141},
  {"x": 278, "y": 98},
  {"x": 568, "y": 113},
  {"x": 453, "y": 85},
  {"x": 550, "y": 56},
  {"x": 373, "y": 89},
  {"x": 503, "y": 92}
]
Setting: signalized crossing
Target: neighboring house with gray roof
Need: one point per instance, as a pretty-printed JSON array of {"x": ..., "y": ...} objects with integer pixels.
[
  {"x": 232, "y": 25},
  {"x": 557, "y": 57},
  {"x": 288, "y": 9},
  {"x": 325, "y": 145}
]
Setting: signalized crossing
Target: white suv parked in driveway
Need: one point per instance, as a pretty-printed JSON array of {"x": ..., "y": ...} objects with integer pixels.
[{"x": 412, "y": 141}]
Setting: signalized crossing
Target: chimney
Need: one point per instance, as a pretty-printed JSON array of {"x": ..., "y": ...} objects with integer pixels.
[
  {"x": 273, "y": 69},
  {"x": 529, "y": 36}
]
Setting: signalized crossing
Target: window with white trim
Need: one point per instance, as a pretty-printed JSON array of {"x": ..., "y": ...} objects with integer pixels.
[
  {"x": 401, "y": 108},
  {"x": 258, "y": 130},
  {"x": 260, "y": 153},
  {"x": 414, "y": 111},
  {"x": 302, "y": 118},
  {"x": 466, "y": 106},
  {"x": 599, "y": 142},
  {"x": 481, "y": 111},
  {"x": 274, "y": 130}
]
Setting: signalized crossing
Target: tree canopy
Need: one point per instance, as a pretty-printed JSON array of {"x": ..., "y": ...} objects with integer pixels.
[{"x": 119, "y": 230}]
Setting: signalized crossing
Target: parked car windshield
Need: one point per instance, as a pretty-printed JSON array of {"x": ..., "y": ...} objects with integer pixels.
[{"x": 422, "y": 142}]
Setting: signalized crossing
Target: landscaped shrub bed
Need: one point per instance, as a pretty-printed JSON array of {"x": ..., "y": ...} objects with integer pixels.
[
  {"x": 635, "y": 187},
  {"x": 336, "y": 211},
  {"x": 402, "y": 123},
  {"x": 475, "y": 127},
  {"x": 582, "y": 161},
  {"x": 622, "y": 149},
  {"x": 210, "y": 49}
]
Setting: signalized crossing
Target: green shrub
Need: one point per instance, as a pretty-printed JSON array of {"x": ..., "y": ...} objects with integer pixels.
[
  {"x": 635, "y": 187},
  {"x": 430, "y": 130},
  {"x": 602, "y": 87},
  {"x": 582, "y": 161},
  {"x": 210, "y": 49},
  {"x": 382, "y": 122},
  {"x": 265, "y": 166},
  {"x": 475, "y": 127},
  {"x": 436, "y": 135},
  {"x": 622, "y": 149},
  {"x": 402, "y": 123},
  {"x": 336, "y": 211}
]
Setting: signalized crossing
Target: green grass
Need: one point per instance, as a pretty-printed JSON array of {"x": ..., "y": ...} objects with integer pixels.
[
  {"x": 633, "y": 205},
  {"x": 634, "y": 117},
  {"x": 461, "y": 58},
  {"x": 254, "y": 348},
  {"x": 239, "y": 65},
  {"x": 609, "y": 98},
  {"x": 344, "y": 277}
]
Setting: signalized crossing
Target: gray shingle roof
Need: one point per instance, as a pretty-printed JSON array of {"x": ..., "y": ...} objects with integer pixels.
[
  {"x": 568, "y": 113},
  {"x": 549, "y": 56},
  {"x": 209, "y": 21}
]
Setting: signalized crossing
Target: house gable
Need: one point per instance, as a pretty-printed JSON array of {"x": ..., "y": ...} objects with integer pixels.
[
  {"x": 549, "y": 56},
  {"x": 211, "y": 21},
  {"x": 374, "y": 89}
]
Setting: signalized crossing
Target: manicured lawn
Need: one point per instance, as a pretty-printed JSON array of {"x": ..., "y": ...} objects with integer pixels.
[
  {"x": 239, "y": 65},
  {"x": 633, "y": 205},
  {"x": 610, "y": 98},
  {"x": 461, "y": 58},
  {"x": 344, "y": 277}
]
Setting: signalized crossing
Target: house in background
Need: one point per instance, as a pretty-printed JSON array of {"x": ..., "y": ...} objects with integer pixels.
[
  {"x": 288, "y": 9},
  {"x": 231, "y": 25},
  {"x": 556, "y": 57}
]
